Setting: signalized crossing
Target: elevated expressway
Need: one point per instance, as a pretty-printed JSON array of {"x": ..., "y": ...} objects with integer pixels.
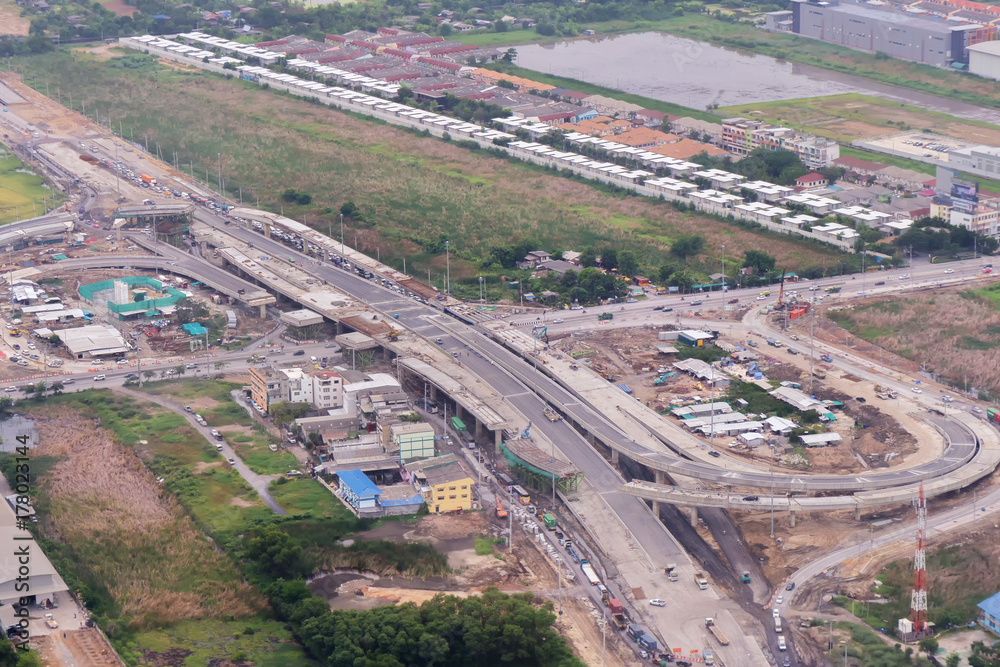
[{"x": 601, "y": 412}]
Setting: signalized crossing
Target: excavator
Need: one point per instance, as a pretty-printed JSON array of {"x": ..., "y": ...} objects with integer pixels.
[{"x": 501, "y": 512}]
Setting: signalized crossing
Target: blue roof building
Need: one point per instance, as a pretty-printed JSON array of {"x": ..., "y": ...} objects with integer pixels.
[
  {"x": 989, "y": 613},
  {"x": 359, "y": 492}
]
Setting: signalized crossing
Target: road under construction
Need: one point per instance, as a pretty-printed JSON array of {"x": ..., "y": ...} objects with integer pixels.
[{"x": 604, "y": 415}]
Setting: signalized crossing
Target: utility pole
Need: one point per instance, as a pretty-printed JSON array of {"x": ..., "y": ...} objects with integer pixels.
[
  {"x": 220, "y": 174},
  {"x": 447, "y": 262},
  {"x": 812, "y": 320},
  {"x": 342, "y": 236}
]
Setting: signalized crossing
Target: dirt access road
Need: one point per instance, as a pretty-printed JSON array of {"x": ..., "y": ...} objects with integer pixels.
[{"x": 82, "y": 647}]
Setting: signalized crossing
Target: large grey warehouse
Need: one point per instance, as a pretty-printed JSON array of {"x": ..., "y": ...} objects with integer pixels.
[{"x": 873, "y": 28}]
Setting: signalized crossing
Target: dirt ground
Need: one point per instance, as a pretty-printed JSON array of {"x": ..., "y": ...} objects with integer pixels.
[
  {"x": 82, "y": 646},
  {"x": 11, "y": 20},
  {"x": 630, "y": 356}
]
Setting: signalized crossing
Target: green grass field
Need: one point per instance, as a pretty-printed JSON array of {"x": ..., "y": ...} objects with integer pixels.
[
  {"x": 23, "y": 193},
  {"x": 307, "y": 497},
  {"x": 266, "y": 643},
  {"x": 414, "y": 192}
]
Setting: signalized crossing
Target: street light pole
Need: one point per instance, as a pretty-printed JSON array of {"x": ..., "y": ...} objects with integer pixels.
[
  {"x": 447, "y": 263},
  {"x": 220, "y": 174},
  {"x": 342, "y": 237}
]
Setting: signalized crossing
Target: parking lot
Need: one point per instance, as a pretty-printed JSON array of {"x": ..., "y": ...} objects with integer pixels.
[{"x": 917, "y": 145}]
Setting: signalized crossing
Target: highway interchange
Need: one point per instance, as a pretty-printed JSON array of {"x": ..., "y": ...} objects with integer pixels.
[{"x": 528, "y": 390}]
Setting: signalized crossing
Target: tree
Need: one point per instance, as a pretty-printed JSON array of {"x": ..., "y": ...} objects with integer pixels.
[
  {"x": 688, "y": 246},
  {"x": 149, "y": 375},
  {"x": 55, "y": 340},
  {"x": 588, "y": 257},
  {"x": 609, "y": 259},
  {"x": 274, "y": 552},
  {"x": 6, "y": 404},
  {"x": 953, "y": 660},
  {"x": 627, "y": 263},
  {"x": 445, "y": 29},
  {"x": 928, "y": 645},
  {"x": 179, "y": 370},
  {"x": 284, "y": 412},
  {"x": 8, "y": 654},
  {"x": 759, "y": 261},
  {"x": 220, "y": 365},
  {"x": 57, "y": 387}
]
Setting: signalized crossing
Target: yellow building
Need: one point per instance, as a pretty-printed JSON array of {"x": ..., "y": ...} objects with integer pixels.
[
  {"x": 266, "y": 386},
  {"x": 446, "y": 487}
]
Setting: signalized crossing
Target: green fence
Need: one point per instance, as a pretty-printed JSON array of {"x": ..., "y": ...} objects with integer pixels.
[{"x": 88, "y": 291}]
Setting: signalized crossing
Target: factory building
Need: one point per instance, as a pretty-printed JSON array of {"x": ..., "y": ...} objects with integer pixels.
[{"x": 881, "y": 29}]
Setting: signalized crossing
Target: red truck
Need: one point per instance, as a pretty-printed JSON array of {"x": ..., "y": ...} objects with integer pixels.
[{"x": 617, "y": 613}]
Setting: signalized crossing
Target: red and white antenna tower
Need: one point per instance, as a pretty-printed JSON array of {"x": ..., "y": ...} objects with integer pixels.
[{"x": 918, "y": 599}]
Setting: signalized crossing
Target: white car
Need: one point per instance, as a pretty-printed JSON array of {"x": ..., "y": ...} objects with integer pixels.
[
  {"x": 904, "y": 276},
  {"x": 949, "y": 270},
  {"x": 780, "y": 599},
  {"x": 776, "y": 612},
  {"x": 558, "y": 321},
  {"x": 657, "y": 602},
  {"x": 11, "y": 388},
  {"x": 917, "y": 390},
  {"x": 100, "y": 377}
]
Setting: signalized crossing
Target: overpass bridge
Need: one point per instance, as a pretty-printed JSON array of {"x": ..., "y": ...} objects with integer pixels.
[{"x": 983, "y": 464}]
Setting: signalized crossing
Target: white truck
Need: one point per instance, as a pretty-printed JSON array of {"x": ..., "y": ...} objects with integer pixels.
[{"x": 588, "y": 572}]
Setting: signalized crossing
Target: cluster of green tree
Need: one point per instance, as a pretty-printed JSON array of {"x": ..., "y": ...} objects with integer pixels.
[
  {"x": 780, "y": 167},
  {"x": 476, "y": 111},
  {"x": 937, "y": 237},
  {"x": 492, "y": 629},
  {"x": 982, "y": 656},
  {"x": 293, "y": 196},
  {"x": 14, "y": 657}
]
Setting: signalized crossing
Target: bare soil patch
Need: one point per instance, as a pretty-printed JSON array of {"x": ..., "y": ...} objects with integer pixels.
[{"x": 11, "y": 20}]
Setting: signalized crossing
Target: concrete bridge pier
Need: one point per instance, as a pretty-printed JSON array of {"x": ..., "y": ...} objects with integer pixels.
[
  {"x": 694, "y": 517},
  {"x": 263, "y": 311},
  {"x": 614, "y": 457},
  {"x": 857, "y": 513},
  {"x": 661, "y": 478},
  {"x": 497, "y": 438},
  {"x": 791, "y": 518}
]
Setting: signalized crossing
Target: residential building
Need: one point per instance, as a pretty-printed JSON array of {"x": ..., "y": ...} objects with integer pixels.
[
  {"x": 327, "y": 389},
  {"x": 741, "y": 136},
  {"x": 812, "y": 181},
  {"x": 921, "y": 38},
  {"x": 267, "y": 386},
  {"x": 445, "y": 484},
  {"x": 709, "y": 132},
  {"x": 534, "y": 258},
  {"x": 413, "y": 441},
  {"x": 989, "y": 613}
]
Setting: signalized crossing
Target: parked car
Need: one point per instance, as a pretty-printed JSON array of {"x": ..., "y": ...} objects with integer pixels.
[
  {"x": 299, "y": 353},
  {"x": 657, "y": 602}
]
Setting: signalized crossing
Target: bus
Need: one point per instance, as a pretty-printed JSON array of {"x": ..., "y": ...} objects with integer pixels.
[
  {"x": 505, "y": 481},
  {"x": 522, "y": 495}
]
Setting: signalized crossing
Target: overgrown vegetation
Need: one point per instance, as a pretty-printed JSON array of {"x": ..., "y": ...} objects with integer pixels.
[{"x": 953, "y": 333}]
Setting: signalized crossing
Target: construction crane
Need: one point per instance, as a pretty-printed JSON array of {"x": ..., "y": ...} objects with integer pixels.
[
  {"x": 781, "y": 293},
  {"x": 393, "y": 334},
  {"x": 541, "y": 332},
  {"x": 526, "y": 433}
]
